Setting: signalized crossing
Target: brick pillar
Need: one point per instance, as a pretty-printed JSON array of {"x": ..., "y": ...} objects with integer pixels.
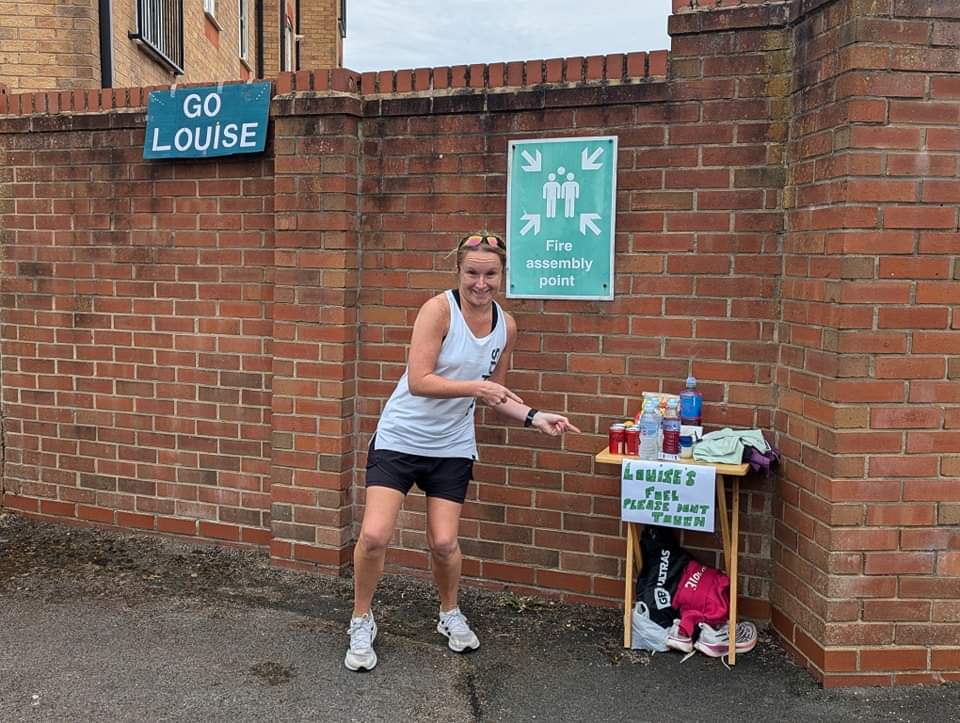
[
  {"x": 315, "y": 320},
  {"x": 731, "y": 69},
  {"x": 11, "y": 455},
  {"x": 867, "y": 576}
]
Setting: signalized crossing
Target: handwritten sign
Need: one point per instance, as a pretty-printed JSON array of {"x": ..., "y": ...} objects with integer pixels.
[{"x": 668, "y": 494}]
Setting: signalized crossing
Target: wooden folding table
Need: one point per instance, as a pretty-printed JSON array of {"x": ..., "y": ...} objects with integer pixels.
[{"x": 729, "y": 534}]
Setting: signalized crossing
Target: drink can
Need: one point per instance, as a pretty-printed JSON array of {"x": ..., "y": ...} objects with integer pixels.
[
  {"x": 631, "y": 441},
  {"x": 617, "y": 433}
]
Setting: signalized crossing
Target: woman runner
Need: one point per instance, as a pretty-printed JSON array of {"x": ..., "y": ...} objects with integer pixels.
[{"x": 459, "y": 354}]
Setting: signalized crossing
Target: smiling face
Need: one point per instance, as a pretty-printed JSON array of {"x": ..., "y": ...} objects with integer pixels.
[{"x": 480, "y": 276}]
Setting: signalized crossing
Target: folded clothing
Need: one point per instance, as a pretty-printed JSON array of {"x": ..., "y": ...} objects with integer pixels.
[
  {"x": 703, "y": 596},
  {"x": 725, "y": 446}
]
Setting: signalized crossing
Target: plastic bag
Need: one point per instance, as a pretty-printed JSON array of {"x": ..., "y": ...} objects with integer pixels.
[{"x": 647, "y": 635}]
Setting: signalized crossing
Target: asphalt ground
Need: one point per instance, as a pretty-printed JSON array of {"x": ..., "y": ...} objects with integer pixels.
[{"x": 105, "y": 626}]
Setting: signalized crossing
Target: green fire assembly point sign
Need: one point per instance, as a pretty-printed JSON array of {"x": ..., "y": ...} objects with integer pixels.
[{"x": 561, "y": 218}]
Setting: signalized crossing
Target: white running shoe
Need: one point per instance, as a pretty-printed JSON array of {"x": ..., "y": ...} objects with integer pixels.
[
  {"x": 677, "y": 640},
  {"x": 454, "y": 626},
  {"x": 363, "y": 631},
  {"x": 715, "y": 642}
]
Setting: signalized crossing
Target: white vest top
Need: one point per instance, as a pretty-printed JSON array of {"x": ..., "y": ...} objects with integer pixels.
[{"x": 433, "y": 427}]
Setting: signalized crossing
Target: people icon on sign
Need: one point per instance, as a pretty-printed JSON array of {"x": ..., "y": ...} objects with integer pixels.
[
  {"x": 551, "y": 192},
  {"x": 569, "y": 192}
]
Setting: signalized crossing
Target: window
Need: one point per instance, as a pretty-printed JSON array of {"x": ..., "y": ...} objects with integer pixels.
[
  {"x": 288, "y": 41},
  {"x": 244, "y": 25},
  {"x": 160, "y": 29}
]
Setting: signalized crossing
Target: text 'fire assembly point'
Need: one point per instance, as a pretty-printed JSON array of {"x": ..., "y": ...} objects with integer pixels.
[{"x": 561, "y": 218}]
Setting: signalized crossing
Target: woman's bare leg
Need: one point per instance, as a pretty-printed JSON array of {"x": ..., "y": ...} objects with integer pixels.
[
  {"x": 443, "y": 529},
  {"x": 379, "y": 520}
]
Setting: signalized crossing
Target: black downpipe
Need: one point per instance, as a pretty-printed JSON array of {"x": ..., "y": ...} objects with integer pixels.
[
  {"x": 259, "y": 32},
  {"x": 106, "y": 51},
  {"x": 296, "y": 36}
]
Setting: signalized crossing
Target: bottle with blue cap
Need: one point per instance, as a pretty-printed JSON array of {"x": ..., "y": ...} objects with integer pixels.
[{"x": 691, "y": 404}]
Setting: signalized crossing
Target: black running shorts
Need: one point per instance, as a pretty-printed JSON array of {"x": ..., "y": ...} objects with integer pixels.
[{"x": 443, "y": 477}]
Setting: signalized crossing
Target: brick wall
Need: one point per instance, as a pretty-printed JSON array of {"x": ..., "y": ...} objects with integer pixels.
[
  {"x": 786, "y": 231},
  {"x": 315, "y": 322},
  {"x": 274, "y": 27},
  {"x": 271, "y": 38},
  {"x": 48, "y": 44},
  {"x": 136, "y": 331},
  {"x": 209, "y": 53},
  {"x": 867, "y": 576},
  {"x": 322, "y": 46}
]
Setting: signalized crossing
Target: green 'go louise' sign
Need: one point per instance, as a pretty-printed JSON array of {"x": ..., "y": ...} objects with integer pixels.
[
  {"x": 216, "y": 120},
  {"x": 561, "y": 218}
]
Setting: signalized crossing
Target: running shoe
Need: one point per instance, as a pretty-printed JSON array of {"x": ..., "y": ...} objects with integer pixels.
[
  {"x": 715, "y": 642},
  {"x": 459, "y": 636},
  {"x": 677, "y": 640},
  {"x": 363, "y": 631}
]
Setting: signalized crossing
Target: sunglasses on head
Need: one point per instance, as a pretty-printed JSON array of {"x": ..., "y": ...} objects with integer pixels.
[{"x": 476, "y": 239}]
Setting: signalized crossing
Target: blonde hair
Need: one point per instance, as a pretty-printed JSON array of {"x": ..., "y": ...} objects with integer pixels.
[{"x": 498, "y": 247}]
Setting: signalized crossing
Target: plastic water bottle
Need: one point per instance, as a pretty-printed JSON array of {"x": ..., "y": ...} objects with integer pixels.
[
  {"x": 671, "y": 429},
  {"x": 691, "y": 404},
  {"x": 649, "y": 432}
]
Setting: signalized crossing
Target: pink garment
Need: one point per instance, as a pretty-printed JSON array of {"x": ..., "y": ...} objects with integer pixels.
[{"x": 702, "y": 596}]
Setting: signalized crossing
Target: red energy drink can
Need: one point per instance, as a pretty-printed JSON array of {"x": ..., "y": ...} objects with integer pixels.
[
  {"x": 617, "y": 434},
  {"x": 631, "y": 441}
]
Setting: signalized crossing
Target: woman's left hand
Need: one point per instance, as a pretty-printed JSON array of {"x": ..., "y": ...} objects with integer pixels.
[{"x": 553, "y": 424}]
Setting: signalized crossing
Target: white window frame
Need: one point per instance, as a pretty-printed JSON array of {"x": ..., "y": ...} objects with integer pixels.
[
  {"x": 289, "y": 51},
  {"x": 243, "y": 22}
]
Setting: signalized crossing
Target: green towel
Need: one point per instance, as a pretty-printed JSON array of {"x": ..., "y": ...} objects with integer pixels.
[{"x": 725, "y": 446}]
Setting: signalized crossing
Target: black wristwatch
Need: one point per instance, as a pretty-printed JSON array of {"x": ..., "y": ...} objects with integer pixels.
[{"x": 528, "y": 422}]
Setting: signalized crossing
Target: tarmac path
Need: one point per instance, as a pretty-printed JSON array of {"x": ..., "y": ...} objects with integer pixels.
[{"x": 104, "y": 626}]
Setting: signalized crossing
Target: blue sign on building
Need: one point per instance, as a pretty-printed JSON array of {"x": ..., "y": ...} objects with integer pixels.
[{"x": 215, "y": 120}]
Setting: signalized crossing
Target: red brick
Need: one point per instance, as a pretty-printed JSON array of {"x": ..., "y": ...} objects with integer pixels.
[
  {"x": 564, "y": 581},
  {"x": 948, "y": 564},
  {"x": 553, "y": 70},
  {"x": 131, "y": 519},
  {"x": 916, "y": 217},
  {"x": 901, "y": 515},
  {"x": 895, "y": 659},
  {"x": 860, "y": 539},
  {"x": 896, "y": 610},
  {"x": 177, "y": 526},
  {"x": 898, "y": 563}
]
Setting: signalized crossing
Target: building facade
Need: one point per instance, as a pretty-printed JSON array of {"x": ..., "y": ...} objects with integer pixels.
[{"x": 50, "y": 45}]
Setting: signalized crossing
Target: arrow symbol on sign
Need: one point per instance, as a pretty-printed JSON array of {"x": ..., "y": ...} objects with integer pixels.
[
  {"x": 533, "y": 221},
  {"x": 589, "y": 163},
  {"x": 587, "y": 221},
  {"x": 533, "y": 162}
]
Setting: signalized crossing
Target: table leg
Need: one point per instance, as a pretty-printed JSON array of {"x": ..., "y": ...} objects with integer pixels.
[
  {"x": 628, "y": 587},
  {"x": 732, "y": 565},
  {"x": 724, "y": 521}
]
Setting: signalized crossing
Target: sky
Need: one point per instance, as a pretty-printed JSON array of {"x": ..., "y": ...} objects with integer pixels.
[{"x": 396, "y": 34}]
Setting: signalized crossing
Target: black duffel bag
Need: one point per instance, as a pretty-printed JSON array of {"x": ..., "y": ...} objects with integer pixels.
[{"x": 663, "y": 563}]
